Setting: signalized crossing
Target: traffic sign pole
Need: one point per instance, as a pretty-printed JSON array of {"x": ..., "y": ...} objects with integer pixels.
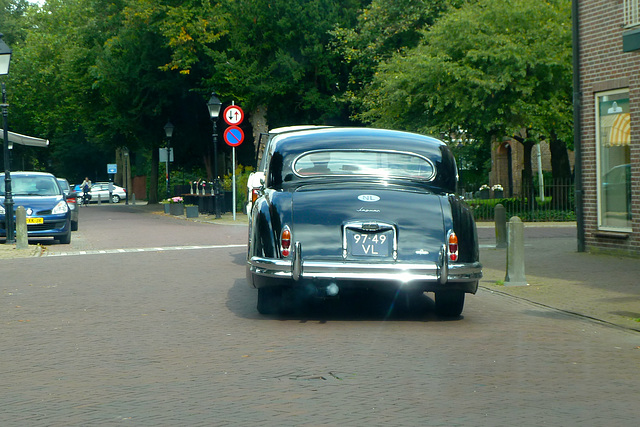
[{"x": 233, "y": 136}]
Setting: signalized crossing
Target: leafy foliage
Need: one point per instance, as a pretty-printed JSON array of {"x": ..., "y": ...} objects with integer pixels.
[
  {"x": 491, "y": 68},
  {"x": 95, "y": 75}
]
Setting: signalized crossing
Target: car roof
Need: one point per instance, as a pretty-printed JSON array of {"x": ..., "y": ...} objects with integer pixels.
[
  {"x": 357, "y": 138},
  {"x": 30, "y": 173},
  {"x": 287, "y": 147},
  {"x": 296, "y": 128}
]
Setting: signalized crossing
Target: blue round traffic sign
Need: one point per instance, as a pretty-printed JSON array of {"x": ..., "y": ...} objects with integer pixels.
[{"x": 233, "y": 136}]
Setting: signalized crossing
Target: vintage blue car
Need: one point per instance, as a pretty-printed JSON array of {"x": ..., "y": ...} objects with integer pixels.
[{"x": 346, "y": 210}]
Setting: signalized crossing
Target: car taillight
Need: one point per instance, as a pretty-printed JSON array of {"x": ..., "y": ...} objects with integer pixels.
[
  {"x": 254, "y": 195},
  {"x": 453, "y": 246},
  {"x": 285, "y": 241}
]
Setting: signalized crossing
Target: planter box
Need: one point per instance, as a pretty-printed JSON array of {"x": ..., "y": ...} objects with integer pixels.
[
  {"x": 176, "y": 208},
  {"x": 191, "y": 211},
  {"x": 167, "y": 208}
]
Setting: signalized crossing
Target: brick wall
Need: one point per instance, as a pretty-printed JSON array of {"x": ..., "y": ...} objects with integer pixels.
[{"x": 604, "y": 66}]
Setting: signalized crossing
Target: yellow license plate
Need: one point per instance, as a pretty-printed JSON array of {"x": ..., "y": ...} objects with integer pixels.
[{"x": 35, "y": 221}]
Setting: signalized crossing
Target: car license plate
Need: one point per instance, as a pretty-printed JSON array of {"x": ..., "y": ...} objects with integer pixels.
[
  {"x": 370, "y": 244},
  {"x": 35, "y": 220}
]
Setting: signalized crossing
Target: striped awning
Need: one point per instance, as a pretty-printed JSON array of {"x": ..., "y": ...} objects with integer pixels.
[{"x": 619, "y": 129}]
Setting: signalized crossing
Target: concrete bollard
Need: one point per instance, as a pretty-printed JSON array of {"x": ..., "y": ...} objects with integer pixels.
[
  {"x": 500, "y": 217},
  {"x": 99, "y": 199},
  {"x": 515, "y": 254},
  {"x": 133, "y": 198},
  {"x": 22, "y": 238}
]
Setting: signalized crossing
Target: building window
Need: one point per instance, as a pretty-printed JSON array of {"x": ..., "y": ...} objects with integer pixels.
[
  {"x": 631, "y": 13},
  {"x": 613, "y": 135}
]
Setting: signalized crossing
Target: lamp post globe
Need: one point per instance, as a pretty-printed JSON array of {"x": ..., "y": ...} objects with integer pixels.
[
  {"x": 214, "y": 105},
  {"x": 5, "y": 59},
  {"x": 168, "y": 131}
]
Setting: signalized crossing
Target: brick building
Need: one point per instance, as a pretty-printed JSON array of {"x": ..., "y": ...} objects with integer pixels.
[
  {"x": 507, "y": 164},
  {"x": 607, "y": 102}
]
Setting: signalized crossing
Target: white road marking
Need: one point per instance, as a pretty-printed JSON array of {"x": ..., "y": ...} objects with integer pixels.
[{"x": 138, "y": 250}]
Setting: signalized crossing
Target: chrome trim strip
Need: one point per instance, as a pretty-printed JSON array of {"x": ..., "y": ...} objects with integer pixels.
[{"x": 405, "y": 272}]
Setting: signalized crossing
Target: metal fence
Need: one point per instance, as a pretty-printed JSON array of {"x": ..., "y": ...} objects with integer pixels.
[{"x": 554, "y": 202}]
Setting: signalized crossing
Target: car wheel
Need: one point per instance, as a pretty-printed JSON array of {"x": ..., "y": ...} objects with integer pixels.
[
  {"x": 269, "y": 300},
  {"x": 115, "y": 198},
  {"x": 449, "y": 303}
]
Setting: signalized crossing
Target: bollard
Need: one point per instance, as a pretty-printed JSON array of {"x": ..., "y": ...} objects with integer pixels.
[
  {"x": 22, "y": 239},
  {"x": 99, "y": 199},
  {"x": 500, "y": 216},
  {"x": 133, "y": 199},
  {"x": 515, "y": 254}
]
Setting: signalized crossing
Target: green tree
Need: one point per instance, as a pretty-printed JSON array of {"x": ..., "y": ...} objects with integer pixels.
[
  {"x": 269, "y": 54},
  {"x": 383, "y": 29},
  {"x": 50, "y": 79},
  {"x": 12, "y": 20},
  {"x": 492, "y": 68}
]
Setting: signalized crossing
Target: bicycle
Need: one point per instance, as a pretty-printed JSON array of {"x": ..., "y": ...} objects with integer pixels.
[{"x": 86, "y": 197}]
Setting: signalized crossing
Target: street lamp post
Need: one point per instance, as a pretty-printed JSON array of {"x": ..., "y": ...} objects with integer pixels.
[
  {"x": 168, "y": 130},
  {"x": 214, "y": 106},
  {"x": 5, "y": 58},
  {"x": 125, "y": 153}
]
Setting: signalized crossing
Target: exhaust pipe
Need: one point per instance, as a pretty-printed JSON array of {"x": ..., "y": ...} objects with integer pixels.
[{"x": 332, "y": 290}]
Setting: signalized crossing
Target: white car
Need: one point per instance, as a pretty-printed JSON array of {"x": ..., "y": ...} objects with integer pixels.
[
  {"x": 256, "y": 178},
  {"x": 100, "y": 191}
]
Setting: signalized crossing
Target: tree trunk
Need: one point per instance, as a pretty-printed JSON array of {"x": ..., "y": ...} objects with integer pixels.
[
  {"x": 153, "y": 179},
  {"x": 527, "y": 172},
  {"x": 258, "y": 119}
]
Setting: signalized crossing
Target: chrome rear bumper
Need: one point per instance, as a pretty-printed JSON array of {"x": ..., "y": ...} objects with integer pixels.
[{"x": 392, "y": 271}]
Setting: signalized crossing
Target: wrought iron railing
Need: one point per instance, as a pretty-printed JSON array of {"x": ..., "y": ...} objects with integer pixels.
[{"x": 556, "y": 203}]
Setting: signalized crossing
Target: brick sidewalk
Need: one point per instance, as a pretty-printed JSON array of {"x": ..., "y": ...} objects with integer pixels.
[{"x": 598, "y": 286}]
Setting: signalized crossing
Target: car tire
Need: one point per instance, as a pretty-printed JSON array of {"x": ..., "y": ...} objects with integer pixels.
[
  {"x": 115, "y": 198},
  {"x": 449, "y": 303},
  {"x": 74, "y": 225},
  {"x": 269, "y": 300}
]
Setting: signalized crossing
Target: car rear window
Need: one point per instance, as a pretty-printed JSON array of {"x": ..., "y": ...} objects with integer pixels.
[{"x": 385, "y": 164}]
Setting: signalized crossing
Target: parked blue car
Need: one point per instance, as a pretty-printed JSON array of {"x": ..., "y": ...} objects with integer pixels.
[{"x": 48, "y": 214}]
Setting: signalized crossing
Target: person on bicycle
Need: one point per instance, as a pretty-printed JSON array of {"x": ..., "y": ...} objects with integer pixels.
[{"x": 86, "y": 187}]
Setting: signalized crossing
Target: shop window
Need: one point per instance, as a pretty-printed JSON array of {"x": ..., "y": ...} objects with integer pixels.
[{"x": 613, "y": 133}]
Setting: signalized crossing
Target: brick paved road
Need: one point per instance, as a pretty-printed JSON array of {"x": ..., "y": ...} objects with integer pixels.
[{"x": 172, "y": 338}]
